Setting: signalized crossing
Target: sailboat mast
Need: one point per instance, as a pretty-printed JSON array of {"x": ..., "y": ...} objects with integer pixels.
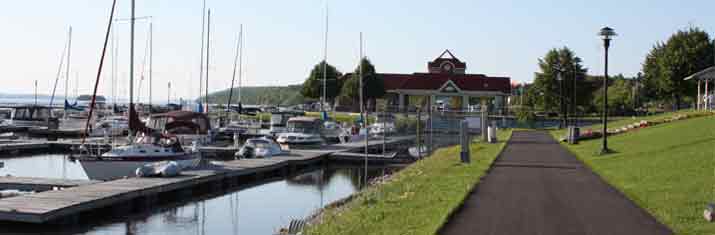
[
  {"x": 203, "y": 36},
  {"x": 67, "y": 70},
  {"x": 131, "y": 60},
  {"x": 233, "y": 77},
  {"x": 151, "y": 62},
  {"x": 325, "y": 61},
  {"x": 240, "y": 66},
  {"x": 208, "y": 54}
]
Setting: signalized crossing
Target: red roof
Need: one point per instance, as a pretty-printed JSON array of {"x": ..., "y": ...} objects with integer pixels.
[{"x": 435, "y": 81}]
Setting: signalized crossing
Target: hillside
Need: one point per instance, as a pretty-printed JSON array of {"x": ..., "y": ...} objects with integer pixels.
[{"x": 274, "y": 95}]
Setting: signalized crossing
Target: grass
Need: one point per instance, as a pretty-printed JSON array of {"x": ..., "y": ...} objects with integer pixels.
[
  {"x": 622, "y": 121},
  {"x": 667, "y": 169},
  {"x": 418, "y": 200}
]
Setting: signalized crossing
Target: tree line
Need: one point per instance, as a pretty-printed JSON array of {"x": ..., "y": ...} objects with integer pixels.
[{"x": 659, "y": 84}]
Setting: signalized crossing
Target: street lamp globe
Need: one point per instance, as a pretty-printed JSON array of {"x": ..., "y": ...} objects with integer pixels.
[{"x": 607, "y": 33}]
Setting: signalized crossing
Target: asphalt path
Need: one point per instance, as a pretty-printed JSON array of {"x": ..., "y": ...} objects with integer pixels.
[{"x": 537, "y": 187}]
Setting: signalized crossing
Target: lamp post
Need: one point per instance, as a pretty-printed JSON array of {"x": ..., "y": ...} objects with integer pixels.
[
  {"x": 562, "y": 122},
  {"x": 606, "y": 34}
]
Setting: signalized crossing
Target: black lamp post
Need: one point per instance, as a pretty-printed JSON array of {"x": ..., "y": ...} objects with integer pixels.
[
  {"x": 606, "y": 34},
  {"x": 562, "y": 122}
]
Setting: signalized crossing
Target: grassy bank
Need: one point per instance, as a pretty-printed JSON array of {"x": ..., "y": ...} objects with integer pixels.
[
  {"x": 418, "y": 199},
  {"x": 666, "y": 169}
]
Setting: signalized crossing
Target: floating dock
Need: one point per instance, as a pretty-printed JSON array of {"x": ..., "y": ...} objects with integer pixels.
[{"x": 68, "y": 206}]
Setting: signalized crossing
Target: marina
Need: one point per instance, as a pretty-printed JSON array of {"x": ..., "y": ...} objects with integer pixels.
[{"x": 69, "y": 205}]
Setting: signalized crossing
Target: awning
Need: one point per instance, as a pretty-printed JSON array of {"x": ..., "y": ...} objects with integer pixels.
[{"x": 705, "y": 74}]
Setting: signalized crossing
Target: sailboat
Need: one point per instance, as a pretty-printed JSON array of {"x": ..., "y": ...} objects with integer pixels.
[{"x": 148, "y": 146}]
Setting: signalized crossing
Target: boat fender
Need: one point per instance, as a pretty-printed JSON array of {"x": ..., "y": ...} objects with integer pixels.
[{"x": 170, "y": 169}]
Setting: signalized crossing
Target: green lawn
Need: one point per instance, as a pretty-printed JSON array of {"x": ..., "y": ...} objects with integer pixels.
[
  {"x": 667, "y": 169},
  {"x": 419, "y": 199},
  {"x": 623, "y": 121}
]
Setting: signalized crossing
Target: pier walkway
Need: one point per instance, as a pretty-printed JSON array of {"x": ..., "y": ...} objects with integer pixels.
[{"x": 537, "y": 187}]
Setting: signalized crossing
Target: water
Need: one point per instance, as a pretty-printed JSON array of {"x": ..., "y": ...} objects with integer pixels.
[{"x": 260, "y": 209}]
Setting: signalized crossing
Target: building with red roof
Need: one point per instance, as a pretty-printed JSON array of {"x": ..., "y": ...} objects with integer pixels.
[{"x": 446, "y": 77}]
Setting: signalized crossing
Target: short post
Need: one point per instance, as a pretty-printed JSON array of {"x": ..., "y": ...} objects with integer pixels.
[
  {"x": 419, "y": 144},
  {"x": 464, "y": 134},
  {"x": 484, "y": 122}
]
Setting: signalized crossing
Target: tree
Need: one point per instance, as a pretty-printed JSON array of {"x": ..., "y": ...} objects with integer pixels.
[
  {"x": 620, "y": 96},
  {"x": 373, "y": 86},
  {"x": 684, "y": 53},
  {"x": 313, "y": 86},
  {"x": 546, "y": 90}
]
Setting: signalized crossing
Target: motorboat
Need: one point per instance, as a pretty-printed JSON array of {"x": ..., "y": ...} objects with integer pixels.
[
  {"x": 260, "y": 148},
  {"x": 302, "y": 131},
  {"x": 279, "y": 120},
  {"x": 123, "y": 161},
  {"x": 382, "y": 128},
  {"x": 384, "y": 124},
  {"x": 32, "y": 116},
  {"x": 333, "y": 132}
]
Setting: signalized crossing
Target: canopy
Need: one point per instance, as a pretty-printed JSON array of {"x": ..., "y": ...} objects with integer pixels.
[{"x": 705, "y": 74}]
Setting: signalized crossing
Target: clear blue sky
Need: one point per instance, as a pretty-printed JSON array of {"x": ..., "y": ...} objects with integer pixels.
[{"x": 284, "y": 39}]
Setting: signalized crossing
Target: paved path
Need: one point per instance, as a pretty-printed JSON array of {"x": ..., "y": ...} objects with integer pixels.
[{"x": 538, "y": 187}]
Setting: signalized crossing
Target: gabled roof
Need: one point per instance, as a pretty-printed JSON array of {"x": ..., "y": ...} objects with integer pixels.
[{"x": 431, "y": 81}]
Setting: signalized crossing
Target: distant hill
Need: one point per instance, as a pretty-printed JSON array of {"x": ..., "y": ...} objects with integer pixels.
[{"x": 260, "y": 95}]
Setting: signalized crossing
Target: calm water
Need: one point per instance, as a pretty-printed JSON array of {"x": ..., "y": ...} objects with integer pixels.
[{"x": 257, "y": 210}]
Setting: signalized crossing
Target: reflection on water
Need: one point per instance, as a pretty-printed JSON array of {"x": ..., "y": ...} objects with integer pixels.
[
  {"x": 56, "y": 166},
  {"x": 257, "y": 210}
]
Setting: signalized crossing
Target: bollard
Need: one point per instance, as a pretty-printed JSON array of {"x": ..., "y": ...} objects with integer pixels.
[
  {"x": 573, "y": 135},
  {"x": 465, "y": 141}
]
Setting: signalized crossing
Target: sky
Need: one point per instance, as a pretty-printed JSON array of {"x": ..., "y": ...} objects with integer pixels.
[{"x": 285, "y": 39}]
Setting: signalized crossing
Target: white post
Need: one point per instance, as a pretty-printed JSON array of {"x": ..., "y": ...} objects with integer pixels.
[
  {"x": 699, "y": 97},
  {"x": 465, "y": 103},
  {"x": 707, "y": 96}
]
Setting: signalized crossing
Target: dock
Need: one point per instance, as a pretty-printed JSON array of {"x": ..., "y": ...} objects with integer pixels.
[
  {"x": 40, "y": 184},
  {"x": 73, "y": 204}
]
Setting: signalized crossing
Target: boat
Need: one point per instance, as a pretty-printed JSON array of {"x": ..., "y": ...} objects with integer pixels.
[
  {"x": 302, "y": 131},
  {"x": 384, "y": 124},
  {"x": 279, "y": 120},
  {"x": 188, "y": 126},
  {"x": 260, "y": 148},
  {"x": 333, "y": 132},
  {"x": 32, "y": 116},
  {"x": 122, "y": 161},
  {"x": 149, "y": 145}
]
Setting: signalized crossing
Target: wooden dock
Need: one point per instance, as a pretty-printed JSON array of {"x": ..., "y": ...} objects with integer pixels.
[
  {"x": 40, "y": 184},
  {"x": 83, "y": 198}
]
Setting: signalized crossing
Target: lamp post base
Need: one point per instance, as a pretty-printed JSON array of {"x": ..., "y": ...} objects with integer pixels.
[{"x": 605, "y": 151}]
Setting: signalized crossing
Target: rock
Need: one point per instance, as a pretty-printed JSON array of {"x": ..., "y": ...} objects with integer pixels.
[{"x": 709, "y": 212}]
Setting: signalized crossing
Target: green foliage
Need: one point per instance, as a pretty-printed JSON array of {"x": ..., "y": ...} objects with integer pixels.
[
  {"x": 417, "y": 200},
  {"x": 620, "y": 96},
  {"x": 278, "y": 95},
  {"x": 684, "y": 53},
  {"x": 545, "y": 92},
  {"x": 666, "y": 169},
  {"x": 313, "y": 86},
  {"x": 373, "y": 86},
  {"x": 526, "y": 116}
]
